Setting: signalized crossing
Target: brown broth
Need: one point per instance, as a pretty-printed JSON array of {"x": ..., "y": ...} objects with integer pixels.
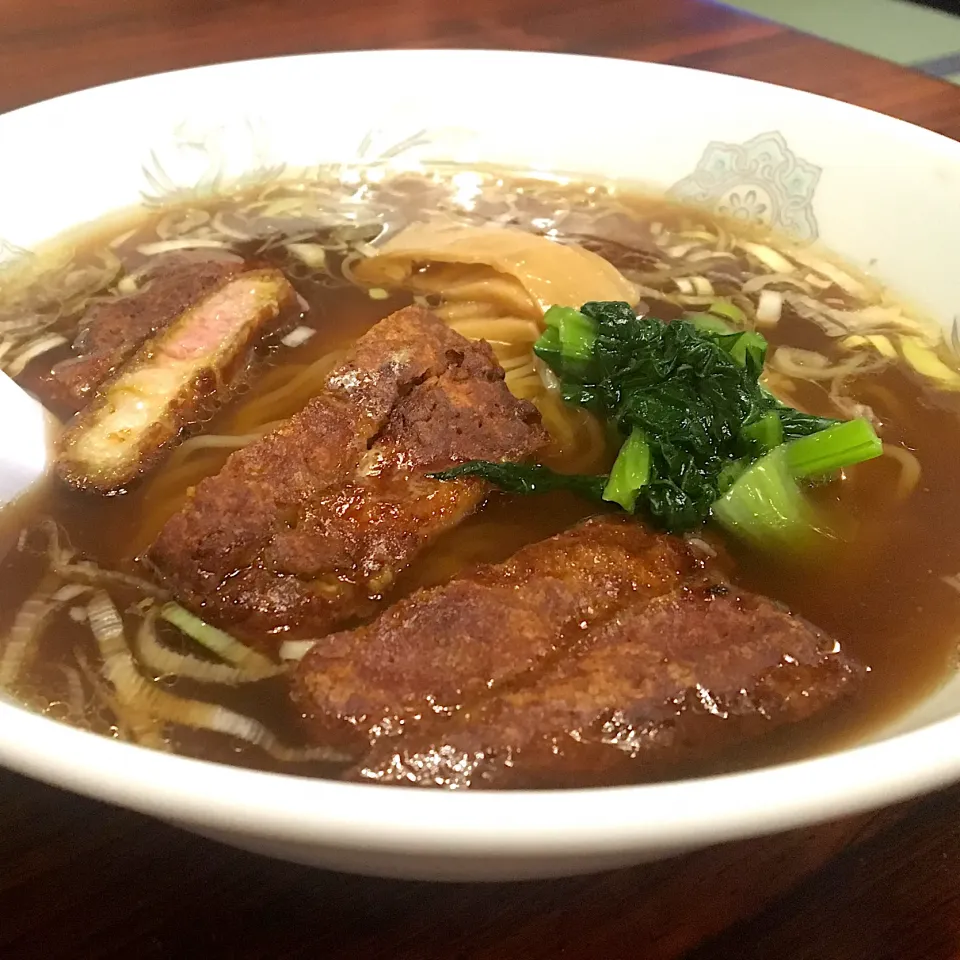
[{"x": 880, "y": 593}]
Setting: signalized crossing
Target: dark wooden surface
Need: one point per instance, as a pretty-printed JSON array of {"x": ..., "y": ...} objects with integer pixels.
[{"x": 79, "y": 879}]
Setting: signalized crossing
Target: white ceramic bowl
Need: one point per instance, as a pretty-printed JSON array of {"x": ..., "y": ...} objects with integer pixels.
[{"x": 878, "y": 191}]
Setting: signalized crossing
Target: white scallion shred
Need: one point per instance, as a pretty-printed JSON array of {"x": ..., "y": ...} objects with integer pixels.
[
  {"x": 832, "y": 272},
  {"x": 185, "y": 243},
  {"x": 215, "y": 640},
  {"x": 163, "y": 661},
  {"x": 38, "y": 347},
  {"x": 769, "y": 257},
  {"x": 148, "y": 700},
  {"x": 681, "y": 250},
  {"x": 314, "y": 255},
  {"x": 70, "y": 592},
  {"x": 295, "y": 650},
  {"x": 821, "y": 283},
  {"x": 768, "y": 279},
  {"x": 769, "y": 308},
  {"x": 298, "y": 336},
  {"x": 21, "y": 642},
  {"x": 91, "y": 573}
]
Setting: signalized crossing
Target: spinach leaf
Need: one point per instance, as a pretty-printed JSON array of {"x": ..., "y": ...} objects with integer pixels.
[
  {"x": 684, "y": 396},
  {"x": 527, "y": 478}
]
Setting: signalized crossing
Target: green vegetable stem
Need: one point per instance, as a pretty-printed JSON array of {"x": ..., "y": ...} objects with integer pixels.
[{"x": 700, "y": 435}]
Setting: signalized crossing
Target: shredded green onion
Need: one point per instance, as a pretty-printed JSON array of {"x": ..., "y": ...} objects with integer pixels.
[
  {"x": 729, "y": 311},
  {"x": 709, "y": 323},
  {"x": 217, "y": 641}
]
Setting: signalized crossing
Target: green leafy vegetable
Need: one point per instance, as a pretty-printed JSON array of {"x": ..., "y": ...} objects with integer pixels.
[
  {"x": 766, "y": 504},
  {"x": 527, "y": 478},
  {"x": 841, "y": 445},
  {"x": 577, "y": 337},
  {"x": 698, "y": 424},
  {"x": 549, "y": 348},
  {"x": 764, "y": 434},
  {"x": 749, "y": 348},
  {"x": 690, "y": 391},
  {"x": 630, "y": 472},
  {"x": 574, "y": 333},
  {"x": 767, "y": 507}
]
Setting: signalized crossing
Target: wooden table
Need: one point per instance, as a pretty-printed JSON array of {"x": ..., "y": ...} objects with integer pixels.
[{"x": 79, "y": 879}]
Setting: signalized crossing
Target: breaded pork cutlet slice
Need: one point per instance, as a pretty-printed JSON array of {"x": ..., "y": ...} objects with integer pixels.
[
  {"x": 112, "y": 330},
  {"x": 586, "y": 658},
  {"x": 304, "y": 528},
  {"x": 176, "y": 377}
]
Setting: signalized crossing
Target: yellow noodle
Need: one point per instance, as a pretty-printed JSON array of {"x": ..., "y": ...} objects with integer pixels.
[
  {"x": 279, "y": 376},
  {"x": 559, "y": 424},
  {"x": 217, "y": 441},
  {"x": 910, "y": 469},
  {"x": 289, "y": 398},
  {"x": 578, "y": 441},
  {"x": 591, "y": 443},
  {"x": 504, "y": 330},
  {"x": 466, "y": 310},
  {"x": 523, "y": 361},
  {"x": 525, "y": 388},
  {"x": 507, "y": 352},
  {"x": 493, "y": 288},
  {"x": 885, "y": 395},
  {"x": 188, "y": 473}
]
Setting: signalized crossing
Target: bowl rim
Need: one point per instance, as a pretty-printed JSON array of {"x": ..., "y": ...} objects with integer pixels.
[
  {"x": 492, "y": 823},
  {"x": 670, "y": 815}
]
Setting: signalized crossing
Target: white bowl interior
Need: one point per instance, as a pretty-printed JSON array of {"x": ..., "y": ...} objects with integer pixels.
[{"x": 870, "y": 188}]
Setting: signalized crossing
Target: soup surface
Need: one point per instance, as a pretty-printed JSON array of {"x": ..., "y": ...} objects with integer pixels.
[{"x": 886, "y": 590}]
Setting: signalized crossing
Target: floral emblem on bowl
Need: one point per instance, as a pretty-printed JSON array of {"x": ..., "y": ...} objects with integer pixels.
[{"x": 761, "y": 181}]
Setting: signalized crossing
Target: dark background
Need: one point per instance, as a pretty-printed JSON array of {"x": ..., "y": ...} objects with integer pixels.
[{"x": 950, "y": 6}]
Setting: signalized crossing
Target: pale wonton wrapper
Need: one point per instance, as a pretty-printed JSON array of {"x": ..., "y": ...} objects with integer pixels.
[{"x": 516, "y": 273}]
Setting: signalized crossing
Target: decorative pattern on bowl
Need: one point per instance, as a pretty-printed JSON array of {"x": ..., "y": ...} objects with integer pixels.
[
  {"x": 11, "y": 255},
  {"x": 761, "y": 181},
  {"x": 203, "y": 163},
  {"x": 193, "y": 162}
]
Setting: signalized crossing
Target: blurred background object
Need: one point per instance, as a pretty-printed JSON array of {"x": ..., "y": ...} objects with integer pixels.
[
  {"x": 921, "y": 34},
  {"x": 951, "y": 6}
]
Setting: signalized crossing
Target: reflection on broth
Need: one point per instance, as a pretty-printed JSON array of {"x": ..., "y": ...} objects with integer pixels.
[{"x": 101, "y": 631}]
